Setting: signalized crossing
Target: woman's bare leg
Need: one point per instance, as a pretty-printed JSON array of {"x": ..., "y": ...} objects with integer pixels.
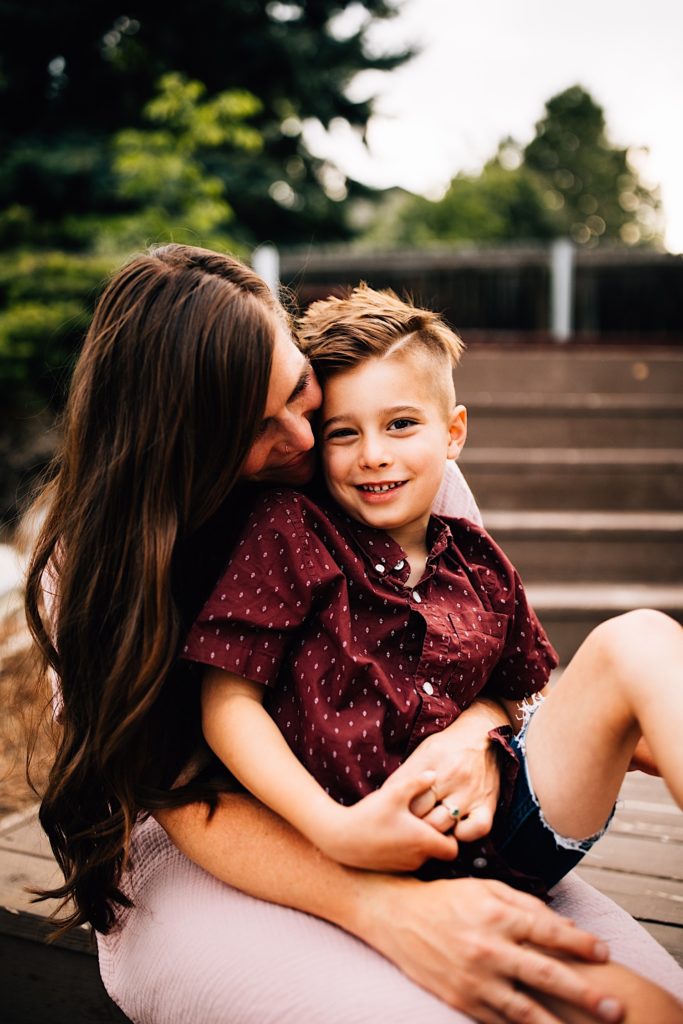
[{"x": 625, "y": 680}]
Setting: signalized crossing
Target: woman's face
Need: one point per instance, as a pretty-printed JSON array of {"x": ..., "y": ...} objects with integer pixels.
[{"x": 283, "y": 450}]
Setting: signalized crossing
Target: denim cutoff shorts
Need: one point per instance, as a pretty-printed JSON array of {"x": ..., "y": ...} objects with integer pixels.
[{"x": 529, "y": 845}]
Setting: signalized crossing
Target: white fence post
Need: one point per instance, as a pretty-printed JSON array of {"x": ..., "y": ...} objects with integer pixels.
[
  {"x": 265, "y": 260},
  {"x": 561, "y": 289}
]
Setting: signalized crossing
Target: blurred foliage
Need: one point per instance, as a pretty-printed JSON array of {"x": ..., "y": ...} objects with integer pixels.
[
  {"x": 162, "y": 170},
  {"x": 45, "y": 305},
  {"x": 497, "y": 205},
  {"x": 591, "y": 187},
  {"x": 568, "y": 181},
  {"x": 117, "y": 131},
  {"x": 74, "y": 75},
  {"x": 46, "y": 296}
]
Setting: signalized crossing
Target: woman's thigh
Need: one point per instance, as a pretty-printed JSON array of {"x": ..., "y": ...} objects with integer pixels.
[{"x": 195, "y": 949}]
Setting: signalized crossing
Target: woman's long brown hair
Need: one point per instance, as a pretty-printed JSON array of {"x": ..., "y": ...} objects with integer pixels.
[{"x": 164, "y": 405}]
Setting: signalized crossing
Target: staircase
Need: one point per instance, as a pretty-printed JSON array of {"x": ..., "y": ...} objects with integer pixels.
[{"x": 575, "y": 456}]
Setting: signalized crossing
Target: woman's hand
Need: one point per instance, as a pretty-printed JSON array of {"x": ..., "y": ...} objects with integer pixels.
[
  {"x": 474, "y": 942},
  {"x": 467, "y": 772}
]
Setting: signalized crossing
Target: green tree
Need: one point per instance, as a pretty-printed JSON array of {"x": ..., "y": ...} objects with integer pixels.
[
  {"x": 589, "y": 185},
  {"x": 568, "y": 181},
  {"x": 162, "y": 169},
  {"x": 117, "y": 130},
  {"x": 160, "y": 172},
  {"x": 500, "y": 204},
  {"x": 74, "y": 75}
]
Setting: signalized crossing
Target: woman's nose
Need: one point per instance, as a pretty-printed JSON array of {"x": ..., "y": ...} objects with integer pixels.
[{"x": 301, "y": 433}]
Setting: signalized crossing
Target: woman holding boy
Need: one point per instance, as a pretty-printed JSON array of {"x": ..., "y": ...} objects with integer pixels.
[{"x": 188, "y": 386}]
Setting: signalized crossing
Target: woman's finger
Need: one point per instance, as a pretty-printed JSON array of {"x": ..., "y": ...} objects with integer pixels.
[
  {"x": 476, "y": 824},
  {"x": 424, "y": 802},
  {"x": 512, "y": 1006},
  {"x": 539, "y": 924},
  {"x": 440, "y": 818},
  {"x": 411, "y": 787},
  {"x": 487, "y": 1015},
  {"x": 542, "y": 973}
]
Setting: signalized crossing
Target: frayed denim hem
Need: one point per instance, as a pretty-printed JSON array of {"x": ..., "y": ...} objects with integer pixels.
[{"x": 529, "y": 709}]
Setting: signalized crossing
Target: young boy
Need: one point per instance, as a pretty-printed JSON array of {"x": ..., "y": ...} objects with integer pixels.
[{"x": 365, "y": 625}]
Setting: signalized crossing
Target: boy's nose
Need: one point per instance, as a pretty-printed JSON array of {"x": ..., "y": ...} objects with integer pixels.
[{"x": 374, "y": 455}]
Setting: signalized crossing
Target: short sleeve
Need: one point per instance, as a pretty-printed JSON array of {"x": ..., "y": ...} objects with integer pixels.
[
  {"x": 527, "y": 657},
  {"x": 263, "y": 596}
]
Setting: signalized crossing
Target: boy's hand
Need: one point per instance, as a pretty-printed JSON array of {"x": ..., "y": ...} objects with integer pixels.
[{"x": 380, "y": 832}]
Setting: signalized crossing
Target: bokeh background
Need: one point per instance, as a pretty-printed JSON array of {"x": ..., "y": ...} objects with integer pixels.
[{"x": 343, "y": 133}]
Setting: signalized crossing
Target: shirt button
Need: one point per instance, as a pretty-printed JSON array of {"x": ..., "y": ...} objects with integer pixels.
[
  {"x": 379, "y": 567},
  {"x": 399, "y": 565},
  {"x": 428, "y": 688},
  {"x": 416, "y": 597},
  {"x": 479, "y": 863}
]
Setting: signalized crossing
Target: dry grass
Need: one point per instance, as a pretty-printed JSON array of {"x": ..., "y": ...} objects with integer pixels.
[{"x": 23, "y": 703}]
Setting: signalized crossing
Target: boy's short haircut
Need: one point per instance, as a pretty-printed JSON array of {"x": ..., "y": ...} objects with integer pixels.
[{"x": 337, "y": 334}]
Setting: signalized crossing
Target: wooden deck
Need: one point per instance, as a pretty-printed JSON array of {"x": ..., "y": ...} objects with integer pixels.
[{"x": 639, "y": 864}]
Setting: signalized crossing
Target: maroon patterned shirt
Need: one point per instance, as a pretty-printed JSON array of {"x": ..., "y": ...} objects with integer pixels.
[{"x": 359, "y": 668}]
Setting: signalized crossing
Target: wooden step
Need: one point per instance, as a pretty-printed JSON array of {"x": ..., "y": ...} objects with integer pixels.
[
  {"x": 615, "y": 547},
  {"x": 575, "y": 478},
  {"x": 499, "y": 370},
  {"x": 569, "y": 611},
  {"x": 586, "y": 420},
  {"x": 57, "y": 983},
  {"x": 638, "y": 863}
]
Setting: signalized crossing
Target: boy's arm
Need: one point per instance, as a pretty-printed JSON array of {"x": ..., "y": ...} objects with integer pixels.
[{"x": 379, "y": 832}]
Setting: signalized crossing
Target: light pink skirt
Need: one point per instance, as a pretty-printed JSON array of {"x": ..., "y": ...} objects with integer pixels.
[{"x": 195, "y": 950}]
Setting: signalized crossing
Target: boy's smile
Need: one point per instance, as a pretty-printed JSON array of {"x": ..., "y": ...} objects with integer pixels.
[{"x": 386, "y": 436}]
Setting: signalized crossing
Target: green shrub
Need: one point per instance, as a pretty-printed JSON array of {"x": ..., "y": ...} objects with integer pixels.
[{"x": 46, "y": 302}]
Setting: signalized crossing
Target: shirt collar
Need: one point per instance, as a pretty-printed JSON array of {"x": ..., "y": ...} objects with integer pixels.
[{"x": 384, "y": 556}]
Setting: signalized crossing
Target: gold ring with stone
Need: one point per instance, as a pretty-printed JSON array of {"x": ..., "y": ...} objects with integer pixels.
[{"x": 453, "y": 811}]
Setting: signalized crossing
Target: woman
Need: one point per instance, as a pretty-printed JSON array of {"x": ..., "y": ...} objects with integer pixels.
[{"x": 188, "y": 390}]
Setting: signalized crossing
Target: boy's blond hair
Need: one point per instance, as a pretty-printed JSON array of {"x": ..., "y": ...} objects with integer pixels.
[{"x": 339, "y": 333}]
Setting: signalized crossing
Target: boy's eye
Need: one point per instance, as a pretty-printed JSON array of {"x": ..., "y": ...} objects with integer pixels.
[
  {"x": 402, "y": 423},
  {"x": 340, "y": 433}
]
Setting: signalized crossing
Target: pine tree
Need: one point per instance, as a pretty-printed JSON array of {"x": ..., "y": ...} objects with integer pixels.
[{"x": 74, "y": 74}]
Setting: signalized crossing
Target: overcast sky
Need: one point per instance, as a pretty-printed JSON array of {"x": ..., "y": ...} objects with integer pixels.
[{"x": 485, "y": 71}]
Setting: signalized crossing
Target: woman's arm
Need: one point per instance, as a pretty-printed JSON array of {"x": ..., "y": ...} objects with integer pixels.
[{"x": 416, "y": 925}]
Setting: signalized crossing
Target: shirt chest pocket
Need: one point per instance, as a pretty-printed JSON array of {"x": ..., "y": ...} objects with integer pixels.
[{"x": 479, "y": 643}]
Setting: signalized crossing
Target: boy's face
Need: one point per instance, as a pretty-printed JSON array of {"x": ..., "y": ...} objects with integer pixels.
[{"x": 386, "y": 435}]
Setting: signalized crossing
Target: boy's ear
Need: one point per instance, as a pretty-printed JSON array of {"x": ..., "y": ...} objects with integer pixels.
[{"x": 457, "y": 428}]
